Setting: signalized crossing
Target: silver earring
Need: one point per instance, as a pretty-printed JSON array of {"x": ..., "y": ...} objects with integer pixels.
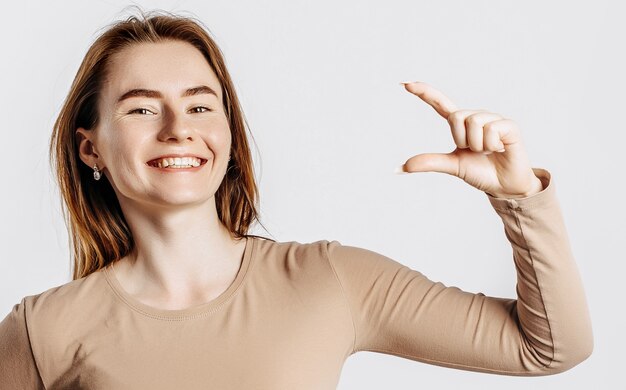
[{"x": 96, "y": 172}]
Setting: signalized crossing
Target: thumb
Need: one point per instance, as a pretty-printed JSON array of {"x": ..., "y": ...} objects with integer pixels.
[{"x": 433, "y": 162}]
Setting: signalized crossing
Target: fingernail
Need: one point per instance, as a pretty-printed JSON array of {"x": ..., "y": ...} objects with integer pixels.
[
  {"x": 400, "y": 170},
  {"x": 501, "y": 150},
  {"x": 408, "y": 82}
]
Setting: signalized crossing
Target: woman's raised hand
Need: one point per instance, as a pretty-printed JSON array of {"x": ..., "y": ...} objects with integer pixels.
[{"x": 489, "y": 152}]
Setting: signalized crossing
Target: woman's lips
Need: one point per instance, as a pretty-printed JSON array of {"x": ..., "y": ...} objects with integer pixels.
[
  {"x": 168, "y": 169},
  {"x": 153, "y": 163}
]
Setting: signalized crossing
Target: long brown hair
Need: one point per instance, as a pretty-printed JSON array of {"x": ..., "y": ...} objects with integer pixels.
[{"x": 98, "y": 231}]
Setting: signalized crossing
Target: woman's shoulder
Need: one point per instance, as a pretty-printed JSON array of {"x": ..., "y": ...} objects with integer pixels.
[
  {"x": 47, "y": 325},
  {"x": 65, "y": 300},
  {"x": 293, "y": 258},
  {"x": 271, "y": 249}
]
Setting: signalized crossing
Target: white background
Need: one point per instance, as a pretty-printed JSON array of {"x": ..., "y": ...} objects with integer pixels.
[{"x": 319, "y": 86}]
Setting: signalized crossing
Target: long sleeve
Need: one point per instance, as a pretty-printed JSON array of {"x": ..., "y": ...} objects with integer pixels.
[
  {"x": 17, "y": 365},
  {"x": 546, "y": 330}
]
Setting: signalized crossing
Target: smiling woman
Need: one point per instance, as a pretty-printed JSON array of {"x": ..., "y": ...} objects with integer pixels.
[
  {"x": 170, "y": 290},
  {"x": 142, "y": 88}
]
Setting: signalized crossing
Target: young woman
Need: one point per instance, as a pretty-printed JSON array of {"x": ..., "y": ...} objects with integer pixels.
[{"x": 170, "y": 290}]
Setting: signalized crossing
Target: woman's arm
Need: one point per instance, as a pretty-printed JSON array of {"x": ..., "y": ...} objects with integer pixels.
[
  {"x": 546, "y": 330},
  {"x": 17, "y": 364}
]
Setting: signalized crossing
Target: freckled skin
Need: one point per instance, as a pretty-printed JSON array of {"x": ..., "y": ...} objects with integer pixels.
[{"x": 126, "y": 141}]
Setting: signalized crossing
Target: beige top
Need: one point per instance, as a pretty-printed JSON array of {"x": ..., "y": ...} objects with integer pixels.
[{"x": 296, "y": 311}]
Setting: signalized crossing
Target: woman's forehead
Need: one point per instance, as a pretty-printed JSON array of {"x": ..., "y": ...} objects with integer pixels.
[{"x": 171, "y": 67}]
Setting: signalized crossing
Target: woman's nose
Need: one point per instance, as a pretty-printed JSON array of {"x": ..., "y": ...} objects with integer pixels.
[{"x": 175, "y": 126}]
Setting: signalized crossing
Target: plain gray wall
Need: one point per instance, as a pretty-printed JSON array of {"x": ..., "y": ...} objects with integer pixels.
[{"x": 319, "y": 86}]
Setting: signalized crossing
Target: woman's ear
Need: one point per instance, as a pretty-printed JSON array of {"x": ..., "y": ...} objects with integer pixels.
[{"x": 86, "y": 148}]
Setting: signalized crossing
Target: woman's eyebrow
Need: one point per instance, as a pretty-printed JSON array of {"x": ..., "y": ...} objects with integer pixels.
[{"x": 149, "y": 93}]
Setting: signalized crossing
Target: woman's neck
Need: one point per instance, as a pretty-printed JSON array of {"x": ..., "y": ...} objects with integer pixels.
[{"x": 181, "y": 258}]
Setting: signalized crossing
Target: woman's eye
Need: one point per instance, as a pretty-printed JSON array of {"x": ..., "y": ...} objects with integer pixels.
[
  {"x": 141, "y": 111},
  {"x": 204, "y": 109},
  {"x": 145, "y": 111}
]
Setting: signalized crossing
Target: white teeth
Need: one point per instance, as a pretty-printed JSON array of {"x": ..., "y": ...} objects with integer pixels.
[{"x": 178, "y": 162}]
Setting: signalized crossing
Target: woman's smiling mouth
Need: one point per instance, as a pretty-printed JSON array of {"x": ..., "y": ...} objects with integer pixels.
[{"x": 190, "y": 163}]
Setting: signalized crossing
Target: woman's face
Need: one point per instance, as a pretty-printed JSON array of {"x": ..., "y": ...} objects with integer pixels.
[{"x": 156, "y": 101}]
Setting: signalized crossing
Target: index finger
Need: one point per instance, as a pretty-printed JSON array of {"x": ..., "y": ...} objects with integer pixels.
[{"x": 435, "y": 98}]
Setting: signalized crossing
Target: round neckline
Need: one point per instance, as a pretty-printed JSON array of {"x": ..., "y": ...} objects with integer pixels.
[{"x": 192, "y": 311}]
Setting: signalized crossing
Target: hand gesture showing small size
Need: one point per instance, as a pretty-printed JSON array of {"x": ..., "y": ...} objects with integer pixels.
[{"x": 489, "y": 152}]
